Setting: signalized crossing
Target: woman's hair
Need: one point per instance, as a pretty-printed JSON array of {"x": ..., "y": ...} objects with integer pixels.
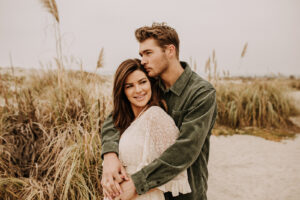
[{"x": 122, "y": 111}]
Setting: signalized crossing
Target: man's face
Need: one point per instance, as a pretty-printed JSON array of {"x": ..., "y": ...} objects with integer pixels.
[{"x": 154, "y": 58}]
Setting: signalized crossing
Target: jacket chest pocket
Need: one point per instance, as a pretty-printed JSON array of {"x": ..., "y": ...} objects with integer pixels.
[{"x": 178, "y": 116}]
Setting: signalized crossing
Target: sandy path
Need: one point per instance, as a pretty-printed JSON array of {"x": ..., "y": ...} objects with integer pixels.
[{"x": 248, "y": 167}]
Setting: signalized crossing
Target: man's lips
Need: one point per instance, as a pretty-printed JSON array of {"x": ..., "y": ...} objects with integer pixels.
[{"x": 147, "y": 69}]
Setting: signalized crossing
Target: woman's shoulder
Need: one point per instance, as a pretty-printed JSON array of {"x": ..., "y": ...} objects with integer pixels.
[
  {"x": 156, "y": 109},
  {"x": 155, "y": 113}
]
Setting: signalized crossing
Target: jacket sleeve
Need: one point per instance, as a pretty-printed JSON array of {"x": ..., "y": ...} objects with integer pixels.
[
  {"x": 196, "y": 124},
  {"x": 110, "y": 137}
]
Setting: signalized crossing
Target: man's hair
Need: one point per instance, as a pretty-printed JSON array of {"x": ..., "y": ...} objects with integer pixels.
[{"x": 161, "y": 33}]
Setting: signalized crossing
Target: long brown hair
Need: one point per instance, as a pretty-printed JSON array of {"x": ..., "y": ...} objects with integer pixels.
[{"x": 122, "y": 111}]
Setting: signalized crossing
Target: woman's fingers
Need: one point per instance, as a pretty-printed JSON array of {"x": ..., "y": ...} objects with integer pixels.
[
  {"x": 108, "y": 185},
  {"x": 106, "y": 195}
]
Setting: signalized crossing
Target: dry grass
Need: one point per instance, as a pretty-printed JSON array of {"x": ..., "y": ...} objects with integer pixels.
[
  {"x": 49, "y": 137},
  {"x": 257, "y": 103},
  {"x": 256, "y": 107},
  {"x": 272, "y": 134},
  {"x": 294, "y": 83},
  {"x": 51, "y": 7}
]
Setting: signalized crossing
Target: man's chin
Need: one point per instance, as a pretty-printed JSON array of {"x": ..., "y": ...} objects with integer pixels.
[{"x": 152, "y": 75}]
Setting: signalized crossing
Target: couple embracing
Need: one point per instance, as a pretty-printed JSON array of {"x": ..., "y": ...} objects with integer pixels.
[{"x": 155, "y": 144}]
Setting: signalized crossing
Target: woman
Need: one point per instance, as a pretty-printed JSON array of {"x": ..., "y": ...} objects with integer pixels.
[{"x": 146, "y": 129}]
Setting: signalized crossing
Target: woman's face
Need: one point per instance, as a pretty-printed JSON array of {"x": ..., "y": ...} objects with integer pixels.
[{"x": 137, "y": 89}]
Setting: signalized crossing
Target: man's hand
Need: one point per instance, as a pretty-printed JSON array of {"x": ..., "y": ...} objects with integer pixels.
[
  {"x": 113, "y": 173},
  {"x": 129, "y": 191}
]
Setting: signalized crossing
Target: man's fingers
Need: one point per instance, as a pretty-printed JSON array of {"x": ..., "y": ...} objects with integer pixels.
[
  {"x": 124, "y": 174},
  {"x": 118, "y": 178},
  {"x": 120, "y": 191}
]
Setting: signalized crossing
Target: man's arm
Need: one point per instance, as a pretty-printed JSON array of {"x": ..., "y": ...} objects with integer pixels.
[
  {"x": 110, "y": 137},
  {"x": 194, "y": 129}
]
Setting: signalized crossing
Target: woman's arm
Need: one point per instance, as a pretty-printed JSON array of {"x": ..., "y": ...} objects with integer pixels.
[{"x": 113, "y": 172}]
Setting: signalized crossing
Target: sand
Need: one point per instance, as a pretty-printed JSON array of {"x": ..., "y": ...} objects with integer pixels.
[{"x": 248, "y": 167}]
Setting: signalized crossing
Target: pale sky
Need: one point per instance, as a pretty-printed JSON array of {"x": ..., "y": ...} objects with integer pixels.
[{"x": 271, "y": 28}]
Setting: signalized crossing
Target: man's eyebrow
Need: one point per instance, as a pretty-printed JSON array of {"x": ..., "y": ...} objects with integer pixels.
[{"x": 141, "y": 52}]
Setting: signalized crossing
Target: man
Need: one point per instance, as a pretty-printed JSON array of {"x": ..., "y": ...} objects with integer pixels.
[{"x": 191, "y": 103}]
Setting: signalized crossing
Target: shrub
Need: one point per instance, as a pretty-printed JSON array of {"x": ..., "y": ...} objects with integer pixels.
[
  {"x": 49, "y": 137},
  {"x": 257, "y": 103}
]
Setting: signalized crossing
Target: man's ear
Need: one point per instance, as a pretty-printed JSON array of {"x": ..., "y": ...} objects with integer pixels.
[{"x": 171, "y": 50}]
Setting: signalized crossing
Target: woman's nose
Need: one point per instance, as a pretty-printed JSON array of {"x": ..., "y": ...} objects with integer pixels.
[{"x": 138, "y": 88}]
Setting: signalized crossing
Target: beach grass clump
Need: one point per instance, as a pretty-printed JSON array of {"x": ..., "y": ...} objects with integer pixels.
[
  {"x": 294, "y": 84},
  {"x": 257, "y": 103},
  {"x": 49, "y": 137}
]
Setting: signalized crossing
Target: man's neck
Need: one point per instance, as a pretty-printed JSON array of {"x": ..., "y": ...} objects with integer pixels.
[{"x": 173, "y": 72}]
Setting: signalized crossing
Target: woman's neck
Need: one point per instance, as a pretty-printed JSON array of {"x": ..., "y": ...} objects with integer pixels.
[{"x": 138, "y": 111}]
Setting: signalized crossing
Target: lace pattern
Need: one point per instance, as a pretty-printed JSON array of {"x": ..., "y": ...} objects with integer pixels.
[{"x": 145, "y": 140}]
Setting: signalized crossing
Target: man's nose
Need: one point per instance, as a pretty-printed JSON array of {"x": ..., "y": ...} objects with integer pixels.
[{"x": 144, "y": 61}]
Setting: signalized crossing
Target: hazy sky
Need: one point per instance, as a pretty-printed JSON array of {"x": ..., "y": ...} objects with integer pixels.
[{"x": 271, "y": 28}]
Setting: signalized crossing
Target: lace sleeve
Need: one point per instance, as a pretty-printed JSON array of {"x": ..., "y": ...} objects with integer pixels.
[{"x": 162, "y": 130}]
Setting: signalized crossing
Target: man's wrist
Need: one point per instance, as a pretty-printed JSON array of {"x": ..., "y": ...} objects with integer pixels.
[
  {"x": 110, "y": 155},
  {"x": 109, "y": 147},
  {"x": 139, "y": 181}
]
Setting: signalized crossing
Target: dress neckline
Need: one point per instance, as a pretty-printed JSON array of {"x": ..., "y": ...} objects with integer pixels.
[{"x": 144, "y": 109}]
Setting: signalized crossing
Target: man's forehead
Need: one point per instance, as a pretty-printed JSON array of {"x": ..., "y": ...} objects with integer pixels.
[{"x": 148, "y": 44}]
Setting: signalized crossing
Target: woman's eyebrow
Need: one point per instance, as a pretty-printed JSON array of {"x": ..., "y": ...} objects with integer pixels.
[
  {"x": 142, "y": 79},
  {"x": 137, "y": 81},
  {"x": 128, "y": 83}
]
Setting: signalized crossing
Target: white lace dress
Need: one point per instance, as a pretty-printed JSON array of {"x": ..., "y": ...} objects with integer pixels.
[{"x": 145, "y": 140}]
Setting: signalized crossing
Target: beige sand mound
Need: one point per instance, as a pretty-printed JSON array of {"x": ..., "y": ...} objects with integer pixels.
[{"x": 247, "y": 167}]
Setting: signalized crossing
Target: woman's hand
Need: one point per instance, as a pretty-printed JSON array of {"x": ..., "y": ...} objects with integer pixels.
[{"x": 112, "y": 175}]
